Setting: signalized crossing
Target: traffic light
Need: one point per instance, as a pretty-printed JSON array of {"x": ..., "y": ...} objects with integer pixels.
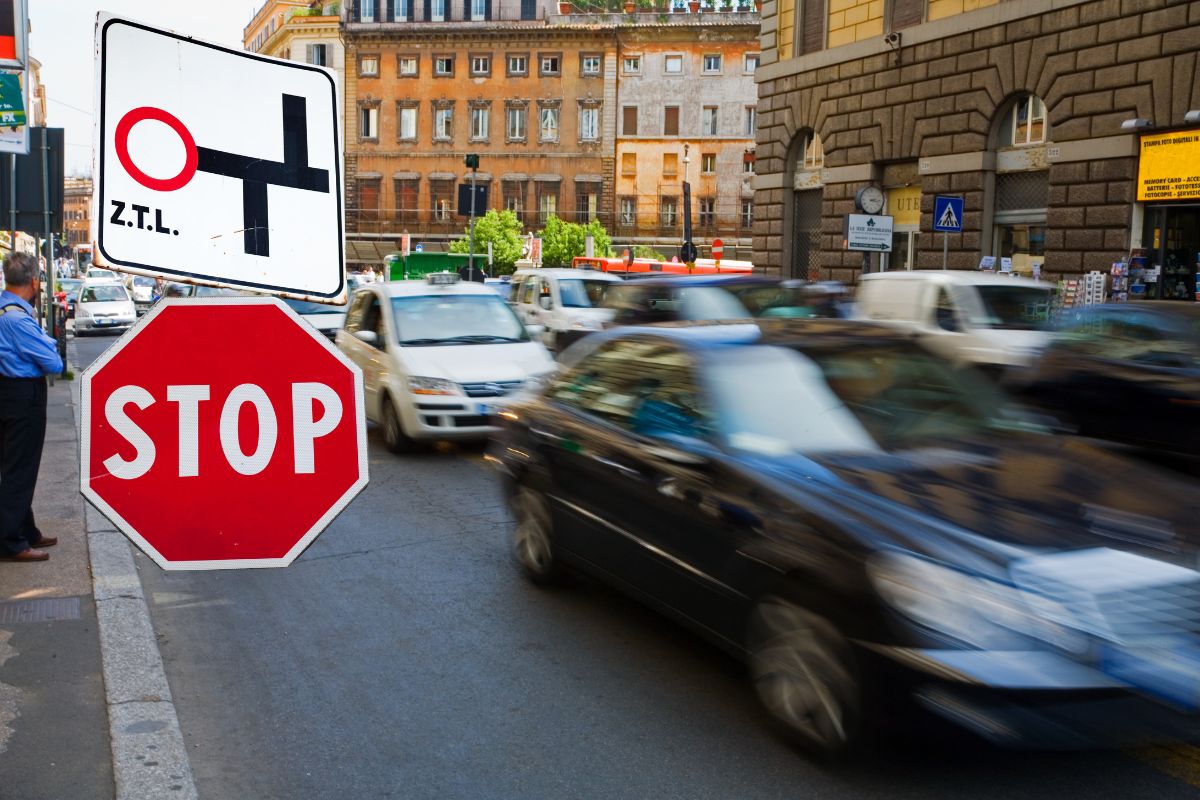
[{"x": 472, "y": 160}]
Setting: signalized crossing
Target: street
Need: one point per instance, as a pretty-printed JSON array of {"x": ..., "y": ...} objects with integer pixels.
[{"x": 403, "y": 655}]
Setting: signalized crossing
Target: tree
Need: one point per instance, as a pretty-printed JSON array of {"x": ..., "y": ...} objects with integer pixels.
[
  {"x": 563, "y": 241},
  {"x": 503, "y": 230},
  {"x": 645, "y": 251}
]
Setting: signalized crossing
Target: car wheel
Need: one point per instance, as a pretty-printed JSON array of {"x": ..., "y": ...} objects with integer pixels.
[
  {"x": 533, "y": 535},
  {"x": 393, "y": 430},
  {"x": 804, "y": 675}
]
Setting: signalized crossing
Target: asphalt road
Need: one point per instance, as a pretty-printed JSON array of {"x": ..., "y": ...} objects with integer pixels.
[{"x": 403, "y": 656}]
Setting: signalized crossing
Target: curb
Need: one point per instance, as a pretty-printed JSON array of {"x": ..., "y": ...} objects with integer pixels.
[{"x": 149, "y": 756}]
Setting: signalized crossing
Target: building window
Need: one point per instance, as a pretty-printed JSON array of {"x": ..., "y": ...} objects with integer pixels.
[
  {"x": 708, "y": 212},
  {"x": 443, "y": 123},
  {"x": 589, "y": 64},
  {"x": 629, "y": 163},
  {"x": 478, "y": 10},
  {"x": 479, "y": 123},
  {"x": 708, "y": 163},
  {"x": 589, "y": 124},
  {"x": 403, "y": 10},
  {"x": 668, "y": 211},
  {"x": 550, "y": 64},
  {"x": 670, "y": 165},
  {"x": 443, "y": 66},
  {"x": 441, "y": 199},
  {"x": 708, "y": 121},
  {"x": 631, "y": 65},
  {"x": 407, "y": 204},
  {"x": 629, "y": 121},
  {"x": 587, "y": 202},
  {"x": 748, "y": 162},
  {"x": 712, "y": 64},
  {"x": 406, "y": 66},
  {"x": 628, "y": 213},
  {"x": 671, "y": 121},
  {"x": 367, "y": 10},
  {"x": 750, "y": 63},
  {"x": 1028, "y": 121},
  {"x": 547, "y": 192},
  {"x": 318, "y": 54},
  {"x": 368, "y": 198},
  {"x": 406, "y": 115},
  {"x": 437, "y": 11},
  {"x": 518, "y": 65},
  {"x": 368, "y": 66},
  {"x": 751, "y": 120},
  {"x": 747, "y": 214},
  {"x": 481, "y": 66},
  {"x": 547, "y": 123},
  {"x": 368, "y": 123},
  {"x": 673, "y": 64},
  {"x": 514, "y": 196},
  {"x": 515, "y": 123},
  {"x": 814, "y": 152}
]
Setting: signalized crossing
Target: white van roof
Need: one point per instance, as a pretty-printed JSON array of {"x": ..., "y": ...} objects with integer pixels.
[{"x": 959, "y": 276}]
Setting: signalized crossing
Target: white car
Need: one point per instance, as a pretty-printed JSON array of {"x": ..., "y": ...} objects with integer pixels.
[
  {"x": 142, "y": 290},
  {"x": 437, "y": 357},
  {"x": 562, "y": 300},
  {"x": 98, "y": 274},
  {"x": 103, "y": 306}
]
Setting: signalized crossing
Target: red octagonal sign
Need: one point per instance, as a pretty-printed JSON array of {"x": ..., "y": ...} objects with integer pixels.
[{"x": 222, "y": 433}]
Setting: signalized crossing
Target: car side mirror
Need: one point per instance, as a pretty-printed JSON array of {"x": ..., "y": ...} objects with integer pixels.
[
  {"x": 370, "y": 337},
  {"x": 545, "y": 301}
]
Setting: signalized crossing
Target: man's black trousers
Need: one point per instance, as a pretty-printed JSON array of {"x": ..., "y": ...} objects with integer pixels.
[{"x": 22, "y": 433}]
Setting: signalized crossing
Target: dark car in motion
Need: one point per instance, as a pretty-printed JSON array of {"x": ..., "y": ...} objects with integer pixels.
[
  {"x": 1125, "y": 373},
  {"x": 863, "y": 523}
]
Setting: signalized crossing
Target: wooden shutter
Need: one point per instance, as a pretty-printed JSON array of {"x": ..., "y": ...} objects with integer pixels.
[
  {"x": 629, "y": 121},
  {"x": 528, "y": 9},
  {"x": 487, "y": 10},
  {"x": 906, "y": 13},
  {"x": 466, "y": 9},
  {"x": 671, "y": 121},
  {"x": 428, "y": 10},
  {"x": 812, "y": 22}
]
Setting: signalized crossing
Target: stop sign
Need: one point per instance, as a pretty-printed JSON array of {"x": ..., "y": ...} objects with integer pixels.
[
  {"x": 222, "y": 433},
  {"x": 718, "y": 249}
]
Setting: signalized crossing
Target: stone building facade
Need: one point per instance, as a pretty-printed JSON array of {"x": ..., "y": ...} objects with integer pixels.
[
  {"x": 1033, "y": 111},
  {"x": 77, "y": 211}
]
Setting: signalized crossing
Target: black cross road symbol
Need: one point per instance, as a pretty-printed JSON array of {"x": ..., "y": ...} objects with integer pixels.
[{"x": 256, "y": 174}]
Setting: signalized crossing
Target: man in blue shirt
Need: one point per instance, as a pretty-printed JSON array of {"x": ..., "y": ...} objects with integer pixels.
[{"x": 27, "y": 355}]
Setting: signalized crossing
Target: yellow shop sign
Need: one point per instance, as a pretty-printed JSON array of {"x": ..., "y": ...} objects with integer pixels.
[{"x": 1169, "y": 166}]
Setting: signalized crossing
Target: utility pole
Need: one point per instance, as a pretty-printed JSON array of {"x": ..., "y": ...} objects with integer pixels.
[
  {"x": 687, "y": 252},
  {"x": 472, "y": 161}
]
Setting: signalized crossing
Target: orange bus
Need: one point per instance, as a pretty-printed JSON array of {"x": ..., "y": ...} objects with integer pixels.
[{"x": 648, "y": 266}]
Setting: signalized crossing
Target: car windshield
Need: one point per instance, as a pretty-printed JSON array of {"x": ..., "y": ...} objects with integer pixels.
[
  {"x": 104, "y": 294},
  {"x": 101, "y": 273},
  {"x": 583, "y": 292},
  {"x": 455, "y": 319},
  {"x": 779, "y": 401},
  {"x": 1019, "y": 307},
  {"x": 143, "y": 282},
  {"x": 785, "y": 301},
  {"x": 305, "y": 307}
]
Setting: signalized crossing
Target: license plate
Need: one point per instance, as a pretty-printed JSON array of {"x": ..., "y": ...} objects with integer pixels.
[
  {"x": 104, "y": 322},
  {"x": 483, "y": 409},
  {"x": 1167, "y": 669}
]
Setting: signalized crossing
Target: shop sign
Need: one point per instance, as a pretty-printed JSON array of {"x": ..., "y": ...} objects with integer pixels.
[
  {"x": 904, "y": 204},
  {"x": 1169, "y": 166},
  {"x": 869, "y": 232}
]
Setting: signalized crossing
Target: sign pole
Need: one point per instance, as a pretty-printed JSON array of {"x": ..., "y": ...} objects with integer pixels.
[
  {"x": 12, "y": 201},
  {"x": 51, "y": 306},
  {"x": 471, "y": 234},
  {"x": 945, "y": 248}
]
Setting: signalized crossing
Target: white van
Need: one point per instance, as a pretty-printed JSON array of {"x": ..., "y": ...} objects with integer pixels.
[
  {"x": 987, "y": 319},
  {"x": 561, "y": 300}
]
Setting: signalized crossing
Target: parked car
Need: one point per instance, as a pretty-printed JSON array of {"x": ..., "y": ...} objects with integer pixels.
[
  {"x": 437, "y": 355},
  {"x": 98, "y": 274},
  {"x": 562, "y": 300},
  {"x": 325, "y": 317},
  {"x": 1127, "y": 373},
  {"x": 69, "y": 287},
  {"x": 103, "y": 306},
  {"x": 141, "y": 289},
  {"x": 990, "y": 320},
  {"x": 864, "y": 523}
]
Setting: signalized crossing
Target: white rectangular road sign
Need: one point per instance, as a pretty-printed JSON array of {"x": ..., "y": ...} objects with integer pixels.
[
  {"x": 215, "y": 165},
  {"x": 869, "y": 232}
]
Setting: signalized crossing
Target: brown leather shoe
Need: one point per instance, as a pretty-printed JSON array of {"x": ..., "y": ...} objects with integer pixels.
[
  {"x": 45, "y": 541},
  {"x": 28, "y": 555}
]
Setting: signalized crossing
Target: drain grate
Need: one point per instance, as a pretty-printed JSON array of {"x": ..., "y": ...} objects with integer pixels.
[{"x": 47, "y": 609}]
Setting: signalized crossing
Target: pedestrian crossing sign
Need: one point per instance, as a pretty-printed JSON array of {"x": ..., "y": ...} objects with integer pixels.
[{"x": 947, "y": 213}]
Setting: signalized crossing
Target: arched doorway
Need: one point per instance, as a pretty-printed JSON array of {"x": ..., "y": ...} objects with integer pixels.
[{"x": 803, "y": 197}]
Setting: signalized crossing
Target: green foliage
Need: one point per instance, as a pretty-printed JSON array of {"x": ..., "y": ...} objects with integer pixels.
[
  {"x": 503, "y": 230},
  {"x": 646, "y": 251},
  {"x": 563, "y": 241}
]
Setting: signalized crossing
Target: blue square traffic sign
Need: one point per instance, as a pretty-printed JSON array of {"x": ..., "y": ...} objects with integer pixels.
[{"x": 947, "y": 213}]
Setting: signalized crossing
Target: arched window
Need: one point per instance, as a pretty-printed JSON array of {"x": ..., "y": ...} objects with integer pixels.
[
  {"x": 1025, "y": 123},
  {"x": 814, "y": 152}
]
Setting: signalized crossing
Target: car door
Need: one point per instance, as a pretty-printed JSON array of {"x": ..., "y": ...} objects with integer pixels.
[{"x": 364, "y": 315}]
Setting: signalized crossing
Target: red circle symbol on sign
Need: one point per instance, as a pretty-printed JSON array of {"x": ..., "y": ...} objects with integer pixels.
[
  {"x": 191, "y": 158},
  {"x": 236, "y": 455},
  {"x": 718, "y": 249}
]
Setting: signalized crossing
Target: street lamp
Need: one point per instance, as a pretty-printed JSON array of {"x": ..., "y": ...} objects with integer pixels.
[{"x": 687, "y": 252}]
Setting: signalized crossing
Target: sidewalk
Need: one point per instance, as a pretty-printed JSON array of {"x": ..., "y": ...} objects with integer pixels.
[{"x": 85, "y": 709}]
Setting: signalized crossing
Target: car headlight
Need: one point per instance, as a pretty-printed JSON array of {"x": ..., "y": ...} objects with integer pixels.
[
  {"x": 421, "y": 385},
  {"x": 972, "y": 610}
]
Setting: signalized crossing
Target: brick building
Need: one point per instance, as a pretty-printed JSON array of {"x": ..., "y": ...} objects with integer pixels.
[
  {"x": 1034, "y": 111},
  {"x": 77, "y": 211}
]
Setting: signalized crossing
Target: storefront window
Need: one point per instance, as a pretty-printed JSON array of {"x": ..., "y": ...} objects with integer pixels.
[
  {"x": 1171, "y": 248},
  {"x": 1025, "y": 244}
]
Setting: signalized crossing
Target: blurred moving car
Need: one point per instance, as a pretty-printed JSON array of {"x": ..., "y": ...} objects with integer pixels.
[
  {"x": 1128, "y": 373},
  {"x": 103, "y": 306},
  {"x": 562, "y": 300},
  {"x": 325, "y": 317},
  {"x": 141, "y": 289},
  {"x": 436, "y": 357},
  {"x": 501, "y": 286},
  {"x": 862, "y": 522},
  {"x": 990, "y": 320},
  {"x": 69, "y": 289}
]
